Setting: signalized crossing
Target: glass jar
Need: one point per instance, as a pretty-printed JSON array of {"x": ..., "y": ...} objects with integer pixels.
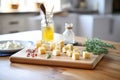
[
  {"x": 14, "y": 4},
  {"x": 47, "y": 28},
  {"x": 68, "y": 34}
]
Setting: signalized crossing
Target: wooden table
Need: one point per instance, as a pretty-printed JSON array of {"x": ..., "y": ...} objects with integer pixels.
[{"x": 107, "y": 69}]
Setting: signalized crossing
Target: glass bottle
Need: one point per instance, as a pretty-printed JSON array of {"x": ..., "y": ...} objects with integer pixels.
[
  {"x": 68, "y": 34},
  {"x": 47, "y": 28}
]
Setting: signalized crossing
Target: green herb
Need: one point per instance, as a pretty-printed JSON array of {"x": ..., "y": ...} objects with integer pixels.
[
  {"x": 48, "y": 56},
  {"x": 96, "y": 46}
]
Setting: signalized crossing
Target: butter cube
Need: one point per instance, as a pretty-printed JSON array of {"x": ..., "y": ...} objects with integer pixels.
[
  {"x": 64, "y": 49},
  {"x": 61, "y": 44},
  {"x": 69, "y": 53},
  {"x": 86, "y": 55},
  {"x": 41, "y": 50},
  {"x": 76, "y": 56},
  {"x": 69, "y": 46},
  {"x": 56, "y": 52},
  {"x": 45, "y": 46},
  {"x": 57, "y": 47},
  {"x": 52, "y": 46},
  {"x": 76, "y": 50},
  {"x": 38, "y": 44}
]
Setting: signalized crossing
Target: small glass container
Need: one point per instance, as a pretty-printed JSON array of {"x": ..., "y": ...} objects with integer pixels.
[
  {"x": 68, "y": 34},
  {"x": 14, "y": 4},
  {"x": 47, "y": 28}
]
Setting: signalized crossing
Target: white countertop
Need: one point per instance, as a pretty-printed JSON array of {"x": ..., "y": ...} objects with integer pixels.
[{"x": 27, "y": 36}]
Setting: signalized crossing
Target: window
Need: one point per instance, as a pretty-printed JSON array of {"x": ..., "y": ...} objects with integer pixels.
[{"x": 30, "y": 5}]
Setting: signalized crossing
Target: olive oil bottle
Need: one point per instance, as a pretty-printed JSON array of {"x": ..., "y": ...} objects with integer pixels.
[{"x": 47, "y": 28}]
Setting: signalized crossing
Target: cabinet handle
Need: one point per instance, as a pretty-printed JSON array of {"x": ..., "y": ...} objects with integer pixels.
[
  {"x": 13, "y": 22},
  {"x": 14, "y": 31}
]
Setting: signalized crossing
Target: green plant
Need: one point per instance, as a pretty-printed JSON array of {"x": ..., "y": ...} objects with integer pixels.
[
  {"x": 48, "y": 56},
  {"x": 96, "y": 46}
]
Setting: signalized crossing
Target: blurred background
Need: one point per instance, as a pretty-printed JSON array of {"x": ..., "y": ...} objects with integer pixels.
[{"x": 91, "y": 18}]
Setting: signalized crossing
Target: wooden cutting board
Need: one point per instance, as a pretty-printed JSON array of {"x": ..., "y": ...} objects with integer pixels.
[{"x": 63, "y": 60}]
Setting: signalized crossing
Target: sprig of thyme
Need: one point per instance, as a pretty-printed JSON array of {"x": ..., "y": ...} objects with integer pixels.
[
  {"x": 97, "y": 47},
  {"x": 48, "y": 56}
]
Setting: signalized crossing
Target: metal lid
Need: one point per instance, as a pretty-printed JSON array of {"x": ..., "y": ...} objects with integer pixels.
[{"x": 68, "y": 26}]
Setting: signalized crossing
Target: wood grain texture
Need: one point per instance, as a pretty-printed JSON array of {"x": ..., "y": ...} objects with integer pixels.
[
  {"x": 107, "y": 69},
  {"x": 63, "y": 60}
]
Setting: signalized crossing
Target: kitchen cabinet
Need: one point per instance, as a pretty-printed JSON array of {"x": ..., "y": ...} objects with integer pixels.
[
  {"x": 0, "y": 28},
  {"x": 35, "y": 22},
  {"x": 105, "y": 6},
  {"x": 85, "y": 26},
  {"x": 100, "y": 26},
  {"x": 14, "y": 22},
  {"x": 60, "y": 21},
  {"x": 116, "y": 29}
]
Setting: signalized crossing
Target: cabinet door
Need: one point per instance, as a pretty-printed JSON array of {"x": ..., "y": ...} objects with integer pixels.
[
  {"x": 107, "y": 28},
  {"x": 61, "y": 20},
  {"x": 116, "y": 29},
  {"x": 85, "y": 26},
  {"x": 14, "y": 22},
  {"x": 34, "y": 24},
  {"x": 102, "y": 28},
  {"x": 59, "y": 24},
  {"x": 0, "y": 25}
]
